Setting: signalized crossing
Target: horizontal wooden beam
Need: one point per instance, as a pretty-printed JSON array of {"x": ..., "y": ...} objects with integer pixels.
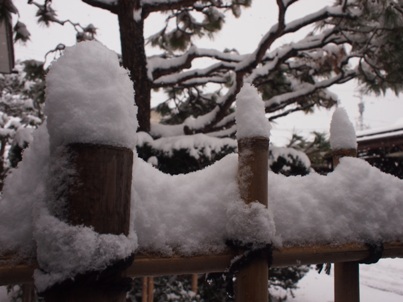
[{"x": 154, "y": 265}]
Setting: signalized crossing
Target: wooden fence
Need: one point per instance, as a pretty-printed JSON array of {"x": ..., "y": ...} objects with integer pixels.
[{"x": 101, "y": 170}]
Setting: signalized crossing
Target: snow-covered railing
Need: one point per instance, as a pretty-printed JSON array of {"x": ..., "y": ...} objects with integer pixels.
[{"x": 231, "y": 217}]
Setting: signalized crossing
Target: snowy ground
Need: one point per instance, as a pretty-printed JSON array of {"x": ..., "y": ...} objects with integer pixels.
[{"x": 378, "y": 282}]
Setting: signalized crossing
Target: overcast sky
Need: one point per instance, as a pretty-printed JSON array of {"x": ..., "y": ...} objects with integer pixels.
[{"x": 242, "y": 34}]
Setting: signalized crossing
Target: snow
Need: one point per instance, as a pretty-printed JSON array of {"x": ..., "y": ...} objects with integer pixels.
[
  {"x": 289, "y": 153},
  {"x": 378, "y": 282},
  {"x": 250, "y": 114},
  {"x": 354, "y": 203},
  {"x": 186, "y": 214},
  {"x": 197, "y": 145},
  {"x": 63, "y": 251},
  {"x": 22, "y": 189},
  {"x": 23, "y": 136},
  {"x": 87, "y": 93},
  {"x": 342, "y": 132}
]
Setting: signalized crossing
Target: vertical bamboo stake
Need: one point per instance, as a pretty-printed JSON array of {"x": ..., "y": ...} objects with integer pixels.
[
  {"x": 346, "y": 274},
  {"x": 150, "y": 293},
  {"x": 195, "y": 283},
  {"x": 98, "y": 197},
  {"x": 144, "y": 290},
  {"x": 252, "y": 280},
  {"x": 28, "y": 293},
  {"x": 147, "y": 291}
]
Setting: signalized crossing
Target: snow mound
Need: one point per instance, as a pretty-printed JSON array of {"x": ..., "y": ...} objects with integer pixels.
[
  {"x": 342, "y": 132},
  {"x": 90, "y": 98},
  {"x": 250, "y": 114}
]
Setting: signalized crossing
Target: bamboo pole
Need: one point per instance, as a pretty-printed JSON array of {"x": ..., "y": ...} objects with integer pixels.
[
  {"x": 28, "y": 293},
  {"x": 99, "y": 197},
  {"x": 155, "y": 265},
  {"x": 346, "y": 274},
  {"x": 144, "y": 290},
  {"x": 150, "y": 288},
  {"x": 195, "y": 281},
  {"x": 251, "y": 283}
]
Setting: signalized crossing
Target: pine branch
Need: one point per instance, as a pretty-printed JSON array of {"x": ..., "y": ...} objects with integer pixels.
[
  {"x": 175, "y": 79},
  {"x": 159, "y": 66},
  {"x": 111, "y": 5}
]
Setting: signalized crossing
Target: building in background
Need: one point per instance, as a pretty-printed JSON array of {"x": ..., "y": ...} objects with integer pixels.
[{"x": 383, "y": 148}]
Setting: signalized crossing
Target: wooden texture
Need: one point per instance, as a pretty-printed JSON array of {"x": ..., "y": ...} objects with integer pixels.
[
  {"x": 346, "y": 282},
  {"x": 155, "y": 265},
  {"x": 144, "y": 289},
  {"x": 346, "y": 274},
  {"x": 99, "y": 197},
  {"x": 147, "y": 292},
  {"x": 251, "y": 284},
  {"x": 195, "y": 283}
]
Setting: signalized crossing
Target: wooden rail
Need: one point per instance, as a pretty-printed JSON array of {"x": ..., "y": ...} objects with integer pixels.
[{"x": 155, "y": 265}]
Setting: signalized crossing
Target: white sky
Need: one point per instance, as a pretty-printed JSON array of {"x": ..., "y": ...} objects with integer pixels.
[{"x": 242, "y": 34}]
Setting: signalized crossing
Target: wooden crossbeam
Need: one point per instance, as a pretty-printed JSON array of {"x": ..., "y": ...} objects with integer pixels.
[{"x": 155, "y": 265}]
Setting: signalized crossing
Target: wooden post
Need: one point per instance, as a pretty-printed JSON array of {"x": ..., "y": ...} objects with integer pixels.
[
  {"x": 99, "y": 197},
  {"x": 251, "y": 283},
  {"x": 346, "y": 274}
]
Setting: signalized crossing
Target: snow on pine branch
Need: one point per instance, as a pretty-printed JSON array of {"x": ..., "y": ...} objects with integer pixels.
[
  {"x": 280, "y": 55},
  {"x": 271, "y": 62},
  {"x": 177, "y": 79},
  {"x": 279, "y": 30},
  {"x": 304, "y": 90},
  {"x": 158, "y": 66}
]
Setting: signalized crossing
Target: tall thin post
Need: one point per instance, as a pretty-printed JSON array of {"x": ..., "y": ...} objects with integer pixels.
[
  {"x": 346, "y": 274},
  {"x": 195, "y": 283},
  {"x": 252, "y": 280},
  {"x": 99, "y": 197}
]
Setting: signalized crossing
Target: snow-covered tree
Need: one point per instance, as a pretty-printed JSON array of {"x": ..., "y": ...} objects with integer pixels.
[
  {"x": 352, "y": 39},
  {"x": 21, "y": 103}
]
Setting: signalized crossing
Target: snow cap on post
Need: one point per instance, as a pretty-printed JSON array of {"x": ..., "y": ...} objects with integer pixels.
[
  {"x": 250, "y": 114},
  {"x": 342, "y": 132},
  {"x": 90, "y": 98}
]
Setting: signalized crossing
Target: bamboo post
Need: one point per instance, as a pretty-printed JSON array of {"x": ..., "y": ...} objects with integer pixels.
[
  {"x": 346, "y": 274},
  {"x": 147, "y": 291},
  {"x": 28, "y": 293},
  {"x": 195, "y": 283},
  {"x": 99, "y": 198},
  {"x": 150, "y": 293},
  {"x": 251, "y": 283},
  {"x": 144, "y": 290}
]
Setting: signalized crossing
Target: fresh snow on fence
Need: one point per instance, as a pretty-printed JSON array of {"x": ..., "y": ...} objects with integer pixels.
[
  {"x": 186, "y": 214},
  {"x": 342, "y": 133}
]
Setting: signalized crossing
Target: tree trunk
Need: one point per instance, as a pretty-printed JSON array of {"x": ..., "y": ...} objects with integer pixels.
[{"x": 134, "y": 58}]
